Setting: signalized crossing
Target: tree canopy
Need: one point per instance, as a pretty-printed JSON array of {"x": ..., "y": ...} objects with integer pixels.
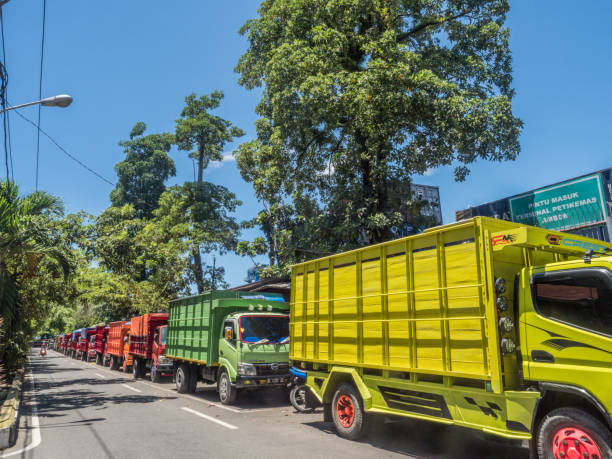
[{"x": 358, "y": 96}]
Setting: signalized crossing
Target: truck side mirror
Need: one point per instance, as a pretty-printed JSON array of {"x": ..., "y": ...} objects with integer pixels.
[{"x": 229, "y": 333}]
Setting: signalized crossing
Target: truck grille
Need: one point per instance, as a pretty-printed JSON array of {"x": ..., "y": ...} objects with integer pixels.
[{"x": 266, "y": 369}]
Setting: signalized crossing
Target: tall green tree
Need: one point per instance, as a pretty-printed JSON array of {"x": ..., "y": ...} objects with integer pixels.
[
  {"x": 359, "y": 95},
  {"x": 35, "y": 261},
  {"x": 204, "y": 136},
  {"x": 144, "y": 171}
]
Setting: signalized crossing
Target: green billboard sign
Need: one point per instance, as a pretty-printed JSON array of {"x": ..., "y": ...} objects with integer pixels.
[{"x": 564, "y": 206}]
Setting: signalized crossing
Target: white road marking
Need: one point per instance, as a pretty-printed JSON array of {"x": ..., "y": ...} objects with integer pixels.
[
  {"x": 131, "y": 388},
  {"x": 209, "y": 418},
  {"x": 100, "y": 376},
  {"x": 36, "y": 438},
  {"x": 197, "y": 399}
]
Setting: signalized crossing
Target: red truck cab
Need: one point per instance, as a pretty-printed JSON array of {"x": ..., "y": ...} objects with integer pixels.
[
  {"x": 100, "y": 344},
  {"x": 148, "y": 345},
  {"x": 161, "y": 366}
]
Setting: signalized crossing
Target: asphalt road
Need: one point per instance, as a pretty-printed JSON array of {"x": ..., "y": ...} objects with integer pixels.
[{"x": 77, "y": 409}]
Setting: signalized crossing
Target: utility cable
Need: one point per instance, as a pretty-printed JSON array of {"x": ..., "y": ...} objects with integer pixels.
[
  {"x": 6, "y": 120},
  {"x": 42, "y": 55},
  {"x": 63, "y": 149}
]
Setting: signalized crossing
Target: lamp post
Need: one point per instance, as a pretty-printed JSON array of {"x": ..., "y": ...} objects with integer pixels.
[{"x": 61, "y": 100}]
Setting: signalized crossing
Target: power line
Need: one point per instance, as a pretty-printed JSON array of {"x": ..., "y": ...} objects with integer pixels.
[
  {"x": 42, "y": 55},
  {"x": 63, "y": 149},
  {"x": 6, "y": 120}
]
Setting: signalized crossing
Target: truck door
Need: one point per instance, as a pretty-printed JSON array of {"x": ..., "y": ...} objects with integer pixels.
[
  {"x": 227, "y": 343},
  {"x": 567, "y": 321}
]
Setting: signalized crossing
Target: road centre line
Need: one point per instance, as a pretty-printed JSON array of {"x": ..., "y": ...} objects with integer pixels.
[
  {"x": 36, "y": 438},
  {"x": 131, "y": 388},
  {"x": 100, "y": 376},
  {"x": 209, "y": 418}
]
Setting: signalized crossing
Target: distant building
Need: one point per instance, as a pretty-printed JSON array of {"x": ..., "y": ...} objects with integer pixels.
[
  {"x": 582, "y": 205},
  {"x": 430, "y": 194}
]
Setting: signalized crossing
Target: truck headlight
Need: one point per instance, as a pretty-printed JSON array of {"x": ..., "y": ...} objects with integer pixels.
[
  {"x": 246, "y": 369},
  {"x": 163, "y": 360}
]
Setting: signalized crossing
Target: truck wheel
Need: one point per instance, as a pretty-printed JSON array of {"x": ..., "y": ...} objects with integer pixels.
[
  {"x": 193, "y": 378},
  {"x": 113, "y": 362},
  {"x": 227, "y": 393},
  {"x": 155, "y": 377},
  {"x": 347, "y": 412},
  {"x": 182, "y": 379},
  {"x": 136, "y": 368},
  {"x": 571, "y": 432}
]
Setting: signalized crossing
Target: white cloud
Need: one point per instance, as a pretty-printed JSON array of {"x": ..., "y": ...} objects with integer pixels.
[
  {"x": 429, "y": 172},
  {"x": 228, "y": 156}
]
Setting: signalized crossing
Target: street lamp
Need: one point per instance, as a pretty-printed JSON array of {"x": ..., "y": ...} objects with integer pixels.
[{"x": 62, "y": 100}]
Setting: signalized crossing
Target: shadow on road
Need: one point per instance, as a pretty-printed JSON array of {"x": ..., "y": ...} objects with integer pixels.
[
  {"x": 60, "y": 395},
  {"x": 428, "y": 440}
]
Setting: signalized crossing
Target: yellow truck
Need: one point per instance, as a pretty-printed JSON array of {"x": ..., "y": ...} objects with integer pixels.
[{"x": 485, "y": 324}]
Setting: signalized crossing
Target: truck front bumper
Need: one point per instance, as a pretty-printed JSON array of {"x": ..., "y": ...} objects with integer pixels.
[
  {"x": 261, "y": 381},
  {"x": 165, "y": 368}
]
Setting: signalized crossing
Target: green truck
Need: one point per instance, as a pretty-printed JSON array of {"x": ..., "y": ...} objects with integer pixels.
[
  {"x": 484, "y": 324},
  {"x": 238, "y": 340}
]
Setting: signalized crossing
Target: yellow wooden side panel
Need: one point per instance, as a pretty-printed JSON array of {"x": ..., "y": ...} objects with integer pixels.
[
  {"x": 310, "y": 313},
  {"x": 464, "y": 308},
  {"x": 399, "y": 313},
  {"x": 427, "y": 310},
  {"x": 297, "y": 290},
  {"x": 345, "y": 313},
  {"x": 372, "y": 311},
  {"x": 324, "y": 314}
]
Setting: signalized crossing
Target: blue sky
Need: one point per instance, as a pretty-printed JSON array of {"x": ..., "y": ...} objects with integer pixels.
[{"x": 125, "y": 62}]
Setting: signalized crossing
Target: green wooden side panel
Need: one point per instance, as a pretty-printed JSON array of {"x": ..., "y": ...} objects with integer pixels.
[{"x": 195, "y": 323}]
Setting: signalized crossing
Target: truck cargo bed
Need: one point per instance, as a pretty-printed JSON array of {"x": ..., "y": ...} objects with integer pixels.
[{"x": 424, "y": 304}]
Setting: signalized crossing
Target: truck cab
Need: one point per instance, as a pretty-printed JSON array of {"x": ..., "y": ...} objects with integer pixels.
[
  {"x": 161, "y": 365},
  {"x": 253, "y": 351}
]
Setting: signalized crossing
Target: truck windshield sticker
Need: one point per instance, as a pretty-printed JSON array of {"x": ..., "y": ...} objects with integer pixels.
[{"x": 262, "y": 297}]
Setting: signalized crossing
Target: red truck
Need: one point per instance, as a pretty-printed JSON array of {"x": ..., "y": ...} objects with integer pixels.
[
  {"x": 118, "y": 347},
  {"x": 66, "y": 343},
  {"x": 148, "y": 346},
  {"x": 83, "y": 342},
  {"x": 99, "y": 344}
]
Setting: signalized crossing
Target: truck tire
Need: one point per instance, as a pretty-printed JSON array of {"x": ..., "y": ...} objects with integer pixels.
[
  {"x": 155, "y": 376},
  {"x": 182, "y": 379},
  {"x": 571, "y": 432},
  {"x": 227, "y": 393},
  {"x": 193, "y": 378},
  {"x": 348, "y": 414},
  {"x": 136, "y": 368},
  {"x": 298, "y": 397},
  {"x": 113, "y": 362}
]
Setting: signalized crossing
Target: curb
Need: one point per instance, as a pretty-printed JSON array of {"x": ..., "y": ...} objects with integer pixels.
[{"x": 9, "y": 412}]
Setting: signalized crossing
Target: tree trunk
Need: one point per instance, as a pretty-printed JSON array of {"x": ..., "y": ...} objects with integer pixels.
[{"x": 198, "y": 272}]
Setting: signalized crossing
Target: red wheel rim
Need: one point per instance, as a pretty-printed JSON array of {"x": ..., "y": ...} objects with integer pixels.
[
  {"x": 573, "y": 443},
  {"x": 345, "y": 411}
]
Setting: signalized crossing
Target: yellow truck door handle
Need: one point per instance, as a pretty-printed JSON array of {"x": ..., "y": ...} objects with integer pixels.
[{"x": 542, "y": 356}]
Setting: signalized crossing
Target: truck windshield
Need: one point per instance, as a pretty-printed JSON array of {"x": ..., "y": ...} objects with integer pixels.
[
  {"x": 163, "y": 335},
  {"x": 264, "y": 328}
]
